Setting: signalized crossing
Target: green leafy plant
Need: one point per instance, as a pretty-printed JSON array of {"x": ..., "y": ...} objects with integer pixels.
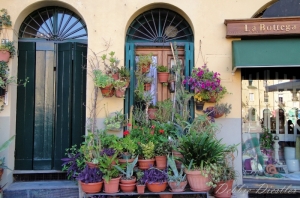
[
  {"x": 124, "y": 73},
  {"x": 162, "y": 68},
  {"x": 148, "y": 150},
  {"x": 2, "y": 148},
  {"x": 222, "y": 108},
  {"x": 165, "y": 110},
  {"x": 112, "y": 66},
  {"x": 105, "y": 164},
  {"x": 4, "y": 19},
  {"x": 147, "y": 79},
  {"x": 173, "y": 174},
  {"x": 101, "y": 79},
  {"x": 129, "y": 145},
  {"x": 144, "y": 60},
  {"x": 162, "y": 147},
  {"x": 139, "y": 176},
  {"x": 91, "y": 147},
  {"x": 266, "y": 139},
  {"x": 9, "y": 46},
  {"x": 115, "y": 120},
  {"x": 129, "y": 169},
  {"x": 120, "y": 84}
]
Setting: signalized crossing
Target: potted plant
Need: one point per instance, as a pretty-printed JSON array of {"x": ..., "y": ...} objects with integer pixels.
[
  {"x": 147, "y": 160},
  {"x": 221, "y": 109},
  {"x": 2, "y": 160},
  {"x": 110, "y": 173},
  {"x": 7, "y": 50},
  {"x": 152, "y": 109},
  {"x": 114, "y": 121},
  {"x": 225, "y": 174},
  {"x": 120, "y": 88},
  {"x": 147, "y": 83},
  {"x": 155, "y": 179},
  {"x": 199, "y": 103},
  {"x": 125, "y": 75},
  {"x": 111, "y": 68},
  {"x": 162, "y": 73},
  {"x": 140, "y": 185},
  {"x": 128, "y": 180},
  {"x": 176, "y": 180},
  {"x": 201, "y": 152},
  {"x": 129, "y": 148},
  {"x": 103, "y": 81},
  {"x": 207, "y": 84},
  {"x": 162, "y": 149},
  {"x": 90, "y": 180},
  {"x": 266, "y": 141},
  {"x": 144, "y": 62}
]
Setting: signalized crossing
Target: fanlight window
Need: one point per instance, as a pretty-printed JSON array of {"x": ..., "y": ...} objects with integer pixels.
[{"x": 53, "y": 23}]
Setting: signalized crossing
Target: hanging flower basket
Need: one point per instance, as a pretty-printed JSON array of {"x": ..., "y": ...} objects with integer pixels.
[
  {"x": 107, "y": 91},
  {"x": 4, "y": 55},
  {"x": 120, "y": 93},
  {"x": 163, "y": 77}
]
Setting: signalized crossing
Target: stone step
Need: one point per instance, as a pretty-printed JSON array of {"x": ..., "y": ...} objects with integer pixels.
[{"x": 42, "y": 189}]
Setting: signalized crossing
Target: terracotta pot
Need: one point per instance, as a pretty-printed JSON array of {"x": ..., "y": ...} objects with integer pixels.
[
  {"x": 92, "y": 165},
  {"x": 223, "y": 189},
  {"x": 127, "y": 187},
  {"x": 177, "y": 188},
  {"x": 120, "y": 93},
  {"x": 4, "y": 55},
  {"x": 112, "y": 186},
  {"x": 151, "y": 113},
  {"x": 140, "y": 188},
  {"x": 146, "y": 163},
  {"x": 199, "y": 105},
  {"x": 116, "y": 76},
  {"x": 128, "y": 181},
  {"x": 197, "y": 181},
  {"x": 177, "y": 155},
  {"x": 157, "y": 186},
  {"x": 212, "y": 99},
  {"x": 163, "y": 77},
  {"x": 91, "y": 187},
  {"x": 147, "y": 86},
  {"x": 161, "y": 162},
  {"x": 218, "y": 115},
  {"x": 107, "y": 91},
  {"x": 166, "y": 195},
  {"x": 145, "y": 68},
  {"x": 124, "y": 161}
]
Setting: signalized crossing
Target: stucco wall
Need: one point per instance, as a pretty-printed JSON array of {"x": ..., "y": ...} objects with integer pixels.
[{"x": 109, "y": 20}]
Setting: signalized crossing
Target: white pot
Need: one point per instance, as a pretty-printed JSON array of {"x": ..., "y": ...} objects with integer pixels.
[
  {"x": 289, "y": 153},
  {"x": 292, "y": 165}
]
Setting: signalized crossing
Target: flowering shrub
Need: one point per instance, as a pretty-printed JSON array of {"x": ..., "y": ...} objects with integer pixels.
[{"x": 206, "y": 83}]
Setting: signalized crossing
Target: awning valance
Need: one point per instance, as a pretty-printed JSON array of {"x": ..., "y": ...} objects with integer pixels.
[{"x": 265, "y": 53}]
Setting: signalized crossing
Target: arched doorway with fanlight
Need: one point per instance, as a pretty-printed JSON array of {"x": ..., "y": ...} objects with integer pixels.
[
  {"x": 152, "y": 32},
  {"x": 50, "y": 109}
]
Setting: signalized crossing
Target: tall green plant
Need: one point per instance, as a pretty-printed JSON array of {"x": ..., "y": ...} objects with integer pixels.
[{"x": 129, "y": 168}]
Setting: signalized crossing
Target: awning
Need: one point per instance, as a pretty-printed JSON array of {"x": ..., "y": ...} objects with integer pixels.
[
  {"x": 265, "y": 53},
  {"x": 293, "y": 85}
]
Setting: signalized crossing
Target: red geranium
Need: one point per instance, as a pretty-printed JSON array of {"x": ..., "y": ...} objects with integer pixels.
[
  {"x": 161, "y": 131},
  {"x": 126, "y": 133}
]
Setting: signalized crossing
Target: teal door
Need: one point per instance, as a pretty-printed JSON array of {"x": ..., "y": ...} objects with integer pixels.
[{"x": 50, "y": 109}]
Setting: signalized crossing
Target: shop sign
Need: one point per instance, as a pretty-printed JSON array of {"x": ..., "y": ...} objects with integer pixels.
[{"x": 262, "y": 27}]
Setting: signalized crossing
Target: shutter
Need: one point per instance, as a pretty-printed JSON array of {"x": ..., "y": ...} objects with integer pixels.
[
  {"x": 62, "y": 136},
  {"x": 130, "y": 64},
  {"x": 79, "y": 93},
  {"x": 189, "y": 65},
  {"x": 25, "y": 107}
]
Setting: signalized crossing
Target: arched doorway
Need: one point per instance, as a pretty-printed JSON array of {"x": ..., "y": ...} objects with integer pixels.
[
  {"x": 152, "y": 32},
  {"x": 50, "y": 109}
]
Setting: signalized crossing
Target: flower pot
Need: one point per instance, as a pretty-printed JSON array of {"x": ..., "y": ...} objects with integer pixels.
[
  {"x": 177, "y": 188},
  {"x": 171, "y": 86},
  {"x": 116, "y": 76},
  {"x": 92, "y": 165},
  {"x": 151, "y": 113},
  {"x": 223, "y": 189},
  {"x": 218, "y": 115},
  {"x": 166, "y": 195},
  {"x": 147, "y": 86},
  {"x": 107, "y": 91},
  {"x": 145, "y": 68},
  {"x": 112, "y": 186},
  {"x": 91, "y": 187},
  {"x": 161, "y": 162},
  {"x": 163, "y": 77},
  {"x": 127, "y": 187},
  {"x": 199, "y": 105},
  {"x": 157, "y": 186},
  {"x": 140, "y": 188},
  {"x": 197, "y": 181},
  {"x": 4, "y": 55},
  {"x": 120, "y": 93},
  {"x": 212, "y": 99},
  {"x": 177, "y": 155},
  {"x": 145, "y": 164}
]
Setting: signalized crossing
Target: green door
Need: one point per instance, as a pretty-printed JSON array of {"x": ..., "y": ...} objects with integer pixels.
[{"x": 50, "y": 109}]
